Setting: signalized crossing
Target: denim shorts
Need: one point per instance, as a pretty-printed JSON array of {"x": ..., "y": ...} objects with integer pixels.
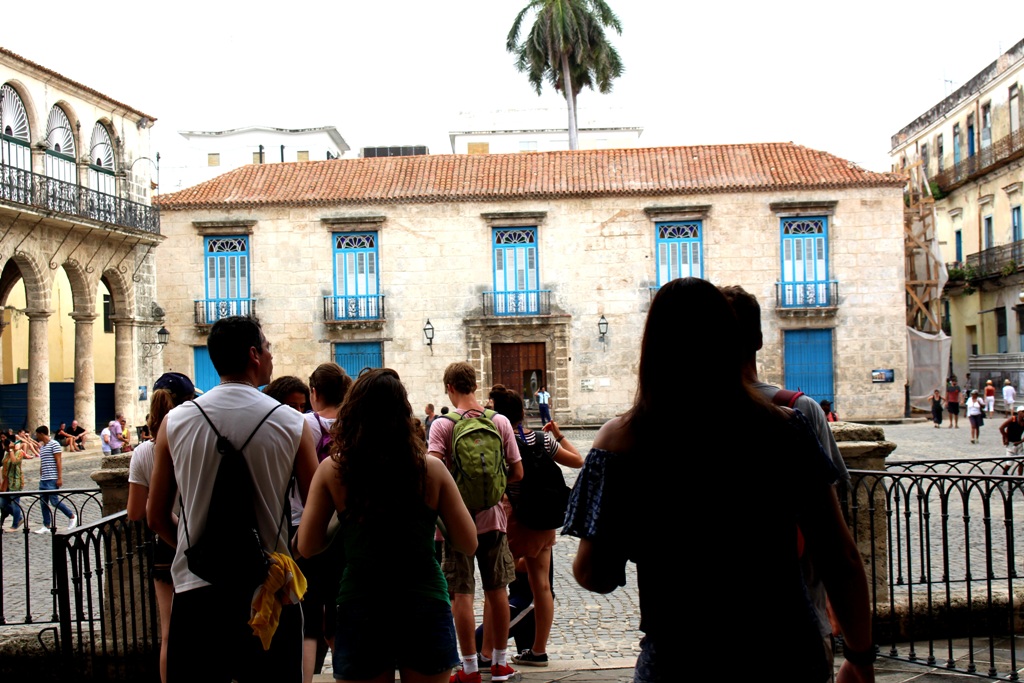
[{"x": 374, "y": 637}]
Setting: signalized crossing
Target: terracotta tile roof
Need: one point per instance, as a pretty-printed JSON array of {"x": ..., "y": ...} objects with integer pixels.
[
  {"x": 75, "y": 84},
  {"x": 546, "y": 175}
]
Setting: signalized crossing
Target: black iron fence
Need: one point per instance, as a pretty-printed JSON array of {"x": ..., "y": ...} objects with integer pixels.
[
  {"x": 939, "y": 540},
  {"x": 25, "y": 187}
]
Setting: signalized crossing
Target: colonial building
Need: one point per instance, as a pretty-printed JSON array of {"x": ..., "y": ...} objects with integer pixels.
[
  {"x": 209, "y": 153},
  {"x": 539, "y": 268},
  {"x": 75, "y": 182}
]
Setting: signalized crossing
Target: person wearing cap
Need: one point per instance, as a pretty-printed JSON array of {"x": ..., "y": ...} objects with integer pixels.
[
  {"x": 976, "y": 415},
  {"x": 169, "y": 391},
  {"x": 990, "y": 398},
  {"x": 1009, "y": 396},
  {"x": 1012, "y": 431}
]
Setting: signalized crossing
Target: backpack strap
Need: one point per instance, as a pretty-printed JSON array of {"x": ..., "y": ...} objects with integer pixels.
[
  {"x": 220, "y": 437},
  {"x": 785, "y": 397}
]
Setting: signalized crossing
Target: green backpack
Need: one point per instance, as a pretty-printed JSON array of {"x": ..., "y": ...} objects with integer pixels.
[{"x": 477, "y": 460}]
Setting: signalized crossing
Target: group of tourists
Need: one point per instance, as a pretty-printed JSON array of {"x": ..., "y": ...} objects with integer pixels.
[{"x": 312, "y": 514}]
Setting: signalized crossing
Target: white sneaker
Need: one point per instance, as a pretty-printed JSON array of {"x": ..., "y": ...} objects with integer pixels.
[
  {"x": 42, "y": 530},
  {"x": 73, "y": 522}
]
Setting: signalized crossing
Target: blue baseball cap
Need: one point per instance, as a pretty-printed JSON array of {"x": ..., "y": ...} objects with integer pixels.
[{"x": 176, "y": 383}]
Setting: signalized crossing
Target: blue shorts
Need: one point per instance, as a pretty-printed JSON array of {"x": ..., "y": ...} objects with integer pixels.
[{"x": 371, "y": 638}]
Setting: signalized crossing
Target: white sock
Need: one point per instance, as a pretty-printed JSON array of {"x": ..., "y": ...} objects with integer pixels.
[
  {"x": 469, "y": 664},
  {"x": 499, "y": 656}
]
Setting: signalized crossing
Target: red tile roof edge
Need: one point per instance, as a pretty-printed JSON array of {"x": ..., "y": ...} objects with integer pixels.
[
  {"x": 74, "y": 83},
  {"x": 656, "y": 171}
]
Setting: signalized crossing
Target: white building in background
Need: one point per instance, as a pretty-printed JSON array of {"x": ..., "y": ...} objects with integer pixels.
[
  {"x": 539, "y": 130},
  {"x": 208, "y": 154}
]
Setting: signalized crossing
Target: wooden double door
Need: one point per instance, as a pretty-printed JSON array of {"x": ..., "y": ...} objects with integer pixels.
[{"x": 520, "y": 367}]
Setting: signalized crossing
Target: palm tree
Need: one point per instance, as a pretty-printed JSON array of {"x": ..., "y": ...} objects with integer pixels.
[{"x": 567, "y": 46}]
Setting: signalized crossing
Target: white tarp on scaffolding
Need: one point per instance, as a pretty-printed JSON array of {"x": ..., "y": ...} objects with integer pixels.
[{"x": 927, "y": 365}]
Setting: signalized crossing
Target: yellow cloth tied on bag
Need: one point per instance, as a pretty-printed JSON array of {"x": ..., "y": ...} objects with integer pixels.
[{"x": 285, "y": 585}]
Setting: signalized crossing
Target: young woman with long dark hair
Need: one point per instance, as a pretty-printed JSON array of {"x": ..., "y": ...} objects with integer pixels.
[
  {"x": 392, "y": 601},
  {"x": 714, "y": 494}
]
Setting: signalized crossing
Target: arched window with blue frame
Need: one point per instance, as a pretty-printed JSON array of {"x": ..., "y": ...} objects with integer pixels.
[
  {"x": 227, "y": 277},
  {"x": 805, "y": 280},
  {"x": 356, "y": 277},
  {"x": 516, "y": 283},
  {"x": 679, "y": 246}
]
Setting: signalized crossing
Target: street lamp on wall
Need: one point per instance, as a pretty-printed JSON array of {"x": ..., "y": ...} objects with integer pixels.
[
  {"x": 602, "y": 327},
  {"x": 157, "y": 347},
  {"x": 428, "y": 333}
]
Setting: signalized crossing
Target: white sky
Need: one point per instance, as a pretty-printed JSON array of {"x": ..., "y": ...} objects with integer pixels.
[{"x": 841, "y": 77}]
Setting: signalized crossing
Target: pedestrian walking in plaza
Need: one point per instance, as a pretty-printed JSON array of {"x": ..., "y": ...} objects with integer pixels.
[
  {"x": 1012, "y": 431},
  {"x": 117, "y": 437},
  {"x": 1009, "y": 396},
  {"x": 953, "y": 403},
  {"x": 632, "y": 477},
  {"x": 937, "y": 408},
  {"x": 11, "y": 480},
  {"x": 493, "y": 556},
  {"x": 544, "y": 405},
  {"x": 169, "y": 391},
  {"x": 968, "y": 388},
  {"x": 990, "y": 399},
  {"x": 210, "y": 636},
  {"x": 976, "y": 415},
  {"x": 386, "y": 495},
  {"x": 51, "y": 478}
]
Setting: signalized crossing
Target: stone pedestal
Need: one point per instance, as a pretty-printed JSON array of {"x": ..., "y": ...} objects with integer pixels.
[
  {"x": 864, "y": 447},
  {"x": 112, "y": 478}
]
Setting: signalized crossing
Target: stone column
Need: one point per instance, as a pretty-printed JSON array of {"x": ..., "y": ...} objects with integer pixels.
[
  {"x": 38, "y": 368},
  {"x": 85, "y": 373},
  {"x": 125, "y": 371}
]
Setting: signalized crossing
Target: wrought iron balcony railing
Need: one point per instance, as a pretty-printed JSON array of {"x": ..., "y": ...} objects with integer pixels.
[
  {"x": 339, "y": 309},
  {"x": 1005, "y": 258},
  {"x": 807, "y": 294},
  {"x": 1001, "y": 151},
  {"x": 522, "y": 302},
  {"x": 31, "y": 189},
  {"x": 209, "y": 311}
]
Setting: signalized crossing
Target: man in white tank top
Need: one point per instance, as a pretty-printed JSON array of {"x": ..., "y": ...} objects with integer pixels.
[{"x": 210, "y": 638}]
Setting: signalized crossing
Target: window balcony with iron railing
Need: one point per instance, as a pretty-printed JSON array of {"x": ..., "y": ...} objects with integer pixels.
[
  {"x": 1000, "y": 152},
  {"x": 1002, "y": 260},
  {"x": 209, "y": 311},
  {"x": 808, "y": 297},
  {"x": 355, "y": 308},
  {"x": 31, "y": 189},
  {"x": 517, "y": 303}
]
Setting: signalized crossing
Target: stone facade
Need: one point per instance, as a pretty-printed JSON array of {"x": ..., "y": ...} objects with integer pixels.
[
  {"x": 595, "y": 254},
  {"x": 74, "y": 198}
]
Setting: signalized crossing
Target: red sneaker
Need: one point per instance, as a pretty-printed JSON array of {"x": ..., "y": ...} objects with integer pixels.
[
  {"x": 461, "y": 676},
  {"x": 502, "y": 672}
]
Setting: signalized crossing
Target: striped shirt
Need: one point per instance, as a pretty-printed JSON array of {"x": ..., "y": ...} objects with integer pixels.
[{"x": 47, "y": 463}]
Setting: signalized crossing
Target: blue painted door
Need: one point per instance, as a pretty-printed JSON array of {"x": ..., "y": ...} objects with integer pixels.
[
  {"x": 204, "y": 376},
  {"x": 353, "y": 357},
  {"x": 959, "y": 246},
  {"x": 970, "y": 139},
  {"x": 808, "y": 358}
]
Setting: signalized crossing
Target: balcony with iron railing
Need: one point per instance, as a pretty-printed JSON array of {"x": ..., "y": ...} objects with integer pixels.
[
  {"x": 517, "y": 303},
  {"x": 361, "y": 310},
  {"x": 808, "y": 298},
  {"x": 1004, "y": 259},
  {"x": 209, "y": 311},
  {"x": 999, "y": 153},
  {"x": 19, "y": 186}
]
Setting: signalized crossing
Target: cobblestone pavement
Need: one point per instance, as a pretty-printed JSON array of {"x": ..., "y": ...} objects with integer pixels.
[{"x": 920, "y": 440}]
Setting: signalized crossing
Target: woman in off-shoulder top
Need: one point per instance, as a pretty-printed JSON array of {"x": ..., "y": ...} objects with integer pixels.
[{"x": 706, "y": 498}]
